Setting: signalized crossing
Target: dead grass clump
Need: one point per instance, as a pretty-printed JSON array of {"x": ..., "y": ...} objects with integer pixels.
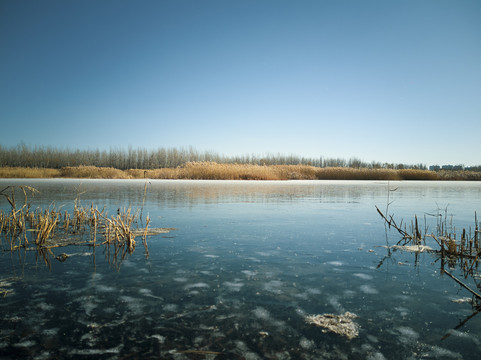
[
  {"x": 416, "y": 174},
  {"x": 213, "y": 171},
  {"x": 207, "y": 170},
  {"x": 50, "y": 228},
  {"x": 339, "y": 324},
  {"x": 294, "y": 172},
  {"x": 92, "y": 172},
  {"x": 340, "y": 173},
  {"x": 459, "y": 175},
  {"x": 28, "y": 173},
  {"x": 164, "y": 173}
]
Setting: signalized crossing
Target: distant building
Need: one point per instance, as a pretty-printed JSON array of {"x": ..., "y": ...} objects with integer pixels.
[{"x": 452, "y": 167}]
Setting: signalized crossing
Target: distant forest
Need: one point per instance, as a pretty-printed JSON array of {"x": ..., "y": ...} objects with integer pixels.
[{"x": 140, "y": 158}]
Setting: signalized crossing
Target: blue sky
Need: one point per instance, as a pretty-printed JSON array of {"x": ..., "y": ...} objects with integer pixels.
[{"x": 390, "y": 81}]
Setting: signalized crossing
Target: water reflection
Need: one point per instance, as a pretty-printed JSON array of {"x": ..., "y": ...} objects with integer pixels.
[{"x": 248, "y": 263}]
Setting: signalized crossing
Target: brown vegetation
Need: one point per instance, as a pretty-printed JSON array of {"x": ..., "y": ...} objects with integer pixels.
[
  {"x": 92, "y": 172},
  {"x": 207, "y": 170},
  {"x": 28, "y": 173},
  {"x": 46, "y": 229},
  {"x": 463, "y": 250}
]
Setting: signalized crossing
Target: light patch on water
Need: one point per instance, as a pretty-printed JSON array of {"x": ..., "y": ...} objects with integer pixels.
[
  {"x": 180, "y": 279},
  {"x": 402, "y": 311},
  {"x": 333, "y": 300},
  {"x": 88, "y": 306},
  {"x": 89, "y": 338},
  {"x": 50, "y": 332},
  {"x": 146, "y": 292},
  {"x": 366, "y": 347},
  {"x": 261, "y": 313},
  {"x": 199, "y": 285},
  {"x": 25, "y": 344},
  {"x": 246, "y": 352},
  {"x": 160, "y": 338},
  {"x": 97, "y": 276},
  {"x": 170, "y": 307},
  {"x": 133, "y": 304},
  {"x": 363, "y": 276},
  {"x": 306, "y": 343},
  {"x": 264, "y": 253},
  {"x": 104, "y": 288},
  {"x": 45, "y": 307},
  {"x": 114, "y": 350},
  {"x": 46, "y": 355},
  {"x": 198, "y": 340},
  {"x": 408, "y": 335},
  {"x": 249, "y": 272},
  {"x": 464, "y": 335},
  {"x": 273, "y": 286},
  {"x": 233, "y": 286},
  {"x": 251, "y": 356},
  {"x": 302, "y": 296},
  {"x": 211, "y": 256},
  {"x": 335, "y": 263},
  {"x": 376, "y": 356},
  {"x": 313, "y": 291},
  {"x": 301, "y": 312},
  {"x": 283, "y": 355},
  {"x": 372, "y": 338},
  {"x": 437, "y": 352},
  {"x": 368, "y": 289}
]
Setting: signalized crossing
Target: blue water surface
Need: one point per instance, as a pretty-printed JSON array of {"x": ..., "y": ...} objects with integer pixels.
[{"x": 247, "y": 263}]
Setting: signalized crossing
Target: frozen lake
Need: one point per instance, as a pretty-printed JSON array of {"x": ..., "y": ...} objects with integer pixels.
[{"x": 248, "y": 262}]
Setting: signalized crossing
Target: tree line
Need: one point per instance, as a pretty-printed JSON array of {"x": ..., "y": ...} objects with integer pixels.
[{"x": 141, "y": 158}]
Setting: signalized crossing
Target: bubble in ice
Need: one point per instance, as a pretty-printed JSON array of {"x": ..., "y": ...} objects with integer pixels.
[
  {"x": 363, "y": 276},
  {"x": 25, "y": 344},
  {"x": 170, "y": 307},
  {"x": 306, "y": 343},
  {"x": 273, "y": 286},
  {"x": 407, "y": 334},
  {"x": 104, "y": 288},
  {"x": 314, "y": 291},
  {"x": 335, "y": 263},
  {"x": 233, "y": 286},
  {"x": 376, "y": 356},
  {"x": 261, "y": 313},
  {"x": 368, "y": 289},
  {"x": 249, "y": 272},
  {"x": 437, "y": 352},
  {"x": 199, "y": 285}
]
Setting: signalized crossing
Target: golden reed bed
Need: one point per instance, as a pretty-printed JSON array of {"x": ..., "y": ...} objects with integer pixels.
[{"x": 216, "y": 171}]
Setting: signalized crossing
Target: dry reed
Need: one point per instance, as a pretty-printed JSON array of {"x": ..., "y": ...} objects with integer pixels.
[
  {"x": 50, "y": 228},
  {"x": 93, "y": 172},
  {"x": 463, "y": 250},
  {"x": 207, "y": 170},
  {"x": 28, "y": 173}
]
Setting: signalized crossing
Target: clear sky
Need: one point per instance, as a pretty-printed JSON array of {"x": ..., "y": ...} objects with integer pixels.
[{"x": 390, "y": 81}]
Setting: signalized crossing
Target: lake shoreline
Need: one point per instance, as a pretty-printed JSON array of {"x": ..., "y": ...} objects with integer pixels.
[{"x": 215, "y": 171}]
